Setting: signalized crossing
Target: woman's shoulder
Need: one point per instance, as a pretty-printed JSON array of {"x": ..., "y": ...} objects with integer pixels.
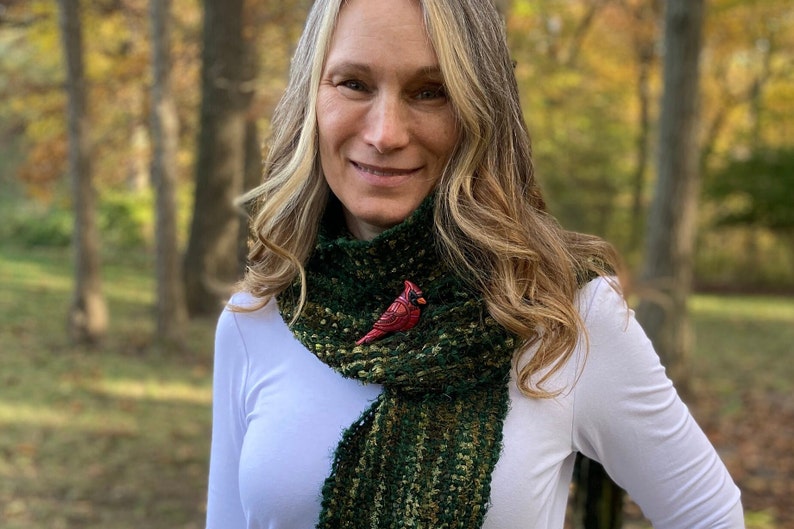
[
  {"x": 617, "y": 354},
  {"x": 246, "y": 317},
  {"x": 611, "y": 338},
  {"x": 253, "y": 331},
  {"x": 601, "y": 299},
  {"x": 244, "y": 301},
  {"x": 244, "y": 306}
]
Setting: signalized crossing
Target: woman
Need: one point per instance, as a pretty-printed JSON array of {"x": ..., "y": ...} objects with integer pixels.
[{"x": 450, "y": 348}]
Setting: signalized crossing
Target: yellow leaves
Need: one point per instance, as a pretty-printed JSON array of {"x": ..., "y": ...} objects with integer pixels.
[
  {"x": 44, "y": 29},
  {"x": 45, "y": 165},
  {"x": 525, "y": 8},
  {"x": 117, "y": 46}
]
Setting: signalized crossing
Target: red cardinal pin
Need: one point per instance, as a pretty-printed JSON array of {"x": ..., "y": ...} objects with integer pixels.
[{"x": 401, "y": 315}]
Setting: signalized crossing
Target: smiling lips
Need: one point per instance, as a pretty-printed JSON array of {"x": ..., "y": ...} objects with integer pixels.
[{"x": 382, "y": 171}]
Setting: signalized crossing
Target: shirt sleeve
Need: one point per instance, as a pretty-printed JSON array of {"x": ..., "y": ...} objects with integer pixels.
[
  {"x": 628, "y": 416},
  {"x": 224, "y": 509}
]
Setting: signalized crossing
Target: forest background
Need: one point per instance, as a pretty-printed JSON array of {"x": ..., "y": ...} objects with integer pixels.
[{"x": 590, "y": 78}]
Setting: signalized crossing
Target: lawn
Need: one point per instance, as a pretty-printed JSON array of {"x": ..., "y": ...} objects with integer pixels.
[
  {"x": 114, "y": 436},
  {"x": 743, "y": 369},
  {"x": 118, "y": 435}
]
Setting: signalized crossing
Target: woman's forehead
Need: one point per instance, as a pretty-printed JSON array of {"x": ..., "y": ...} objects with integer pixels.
[{"x": 389, "y": 33}]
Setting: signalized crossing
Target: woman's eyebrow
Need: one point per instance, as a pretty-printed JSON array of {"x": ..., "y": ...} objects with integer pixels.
[
  {"x": 349, "y": 67},
  {"x": 431, "y": 71}
]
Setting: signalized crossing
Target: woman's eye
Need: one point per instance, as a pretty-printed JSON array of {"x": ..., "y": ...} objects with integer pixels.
[
  {"x": 354, "y": 85},
  {"x": 434, "y": 92}
]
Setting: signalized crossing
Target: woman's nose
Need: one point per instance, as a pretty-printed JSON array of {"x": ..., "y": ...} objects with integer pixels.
[{"x": 386, "y": 127}]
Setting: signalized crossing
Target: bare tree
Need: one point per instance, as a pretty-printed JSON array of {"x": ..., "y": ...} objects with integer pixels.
[
  {"x": 171, "y": 309},
  {"x": 211, "y": 259},
  {"x": 673, "y": 216},
  {"x": 645, "y": 16},
  {"x": 88, "y": 314}
]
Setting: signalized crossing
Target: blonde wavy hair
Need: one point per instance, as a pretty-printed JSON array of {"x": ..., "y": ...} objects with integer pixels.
[{"x": 490, "y": 219}]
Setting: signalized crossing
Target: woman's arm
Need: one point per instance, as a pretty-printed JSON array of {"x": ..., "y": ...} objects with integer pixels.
[
  {"x": 628, "y": 416},
  {"x": 224, "y": 510}
]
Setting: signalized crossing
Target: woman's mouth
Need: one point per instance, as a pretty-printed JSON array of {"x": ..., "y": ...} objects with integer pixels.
[{"x": 382, "y": 171}]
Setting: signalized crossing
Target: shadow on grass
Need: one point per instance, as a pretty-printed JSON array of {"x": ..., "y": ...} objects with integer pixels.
[
  {"x": 112, "y": 436},
  {"x": 90, "y": 451},
  {"x": 118, "y": 475}
]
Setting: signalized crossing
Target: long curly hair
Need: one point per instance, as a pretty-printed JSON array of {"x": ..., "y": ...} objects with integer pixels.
[{"x": 490, "y": 218}]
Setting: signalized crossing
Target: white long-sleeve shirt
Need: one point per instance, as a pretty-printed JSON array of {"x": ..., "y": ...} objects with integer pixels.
[{"x": 278, "y": 414}]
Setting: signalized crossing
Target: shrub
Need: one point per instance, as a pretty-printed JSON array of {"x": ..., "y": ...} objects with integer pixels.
[
  {"x": 126, "y": 219},
  {"x": 36, "y": 225}
]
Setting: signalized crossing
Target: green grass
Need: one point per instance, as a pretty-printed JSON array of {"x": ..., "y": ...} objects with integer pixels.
[
  {"x": 744, "y": 342},
  {"x": 112, "y": 436},
  {"x": 118, "y": 435}
]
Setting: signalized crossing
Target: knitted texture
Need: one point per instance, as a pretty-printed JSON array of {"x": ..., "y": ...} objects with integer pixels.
[{"x": 423, "y": 453}]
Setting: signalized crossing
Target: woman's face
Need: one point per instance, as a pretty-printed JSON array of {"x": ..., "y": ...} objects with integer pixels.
[{"x": 386, "y": 128}]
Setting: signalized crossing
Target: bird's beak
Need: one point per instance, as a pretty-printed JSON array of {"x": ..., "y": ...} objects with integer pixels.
[{"x": 421, "y": 301}]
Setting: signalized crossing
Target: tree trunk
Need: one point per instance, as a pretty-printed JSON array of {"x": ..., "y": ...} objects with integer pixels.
[
  {"x": 171, "y": 310},
  {"x": 673, "y": 217},
  {"x": 645, "y": 19},
  {"x": 88, "y": 315},
  {"x": 644, "y": 57},
  {"x": 597, "y": 500},
  {"x": 253, "y": 146},
  {"x": 253, "y": 177},
  {"x": 211, "y": 259}
]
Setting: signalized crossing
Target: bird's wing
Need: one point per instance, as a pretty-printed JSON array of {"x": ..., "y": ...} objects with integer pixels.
[{"x": 396, "y": 312}]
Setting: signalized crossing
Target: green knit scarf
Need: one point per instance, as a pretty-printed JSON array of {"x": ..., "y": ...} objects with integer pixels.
[{"x": 423, "y": 453}]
